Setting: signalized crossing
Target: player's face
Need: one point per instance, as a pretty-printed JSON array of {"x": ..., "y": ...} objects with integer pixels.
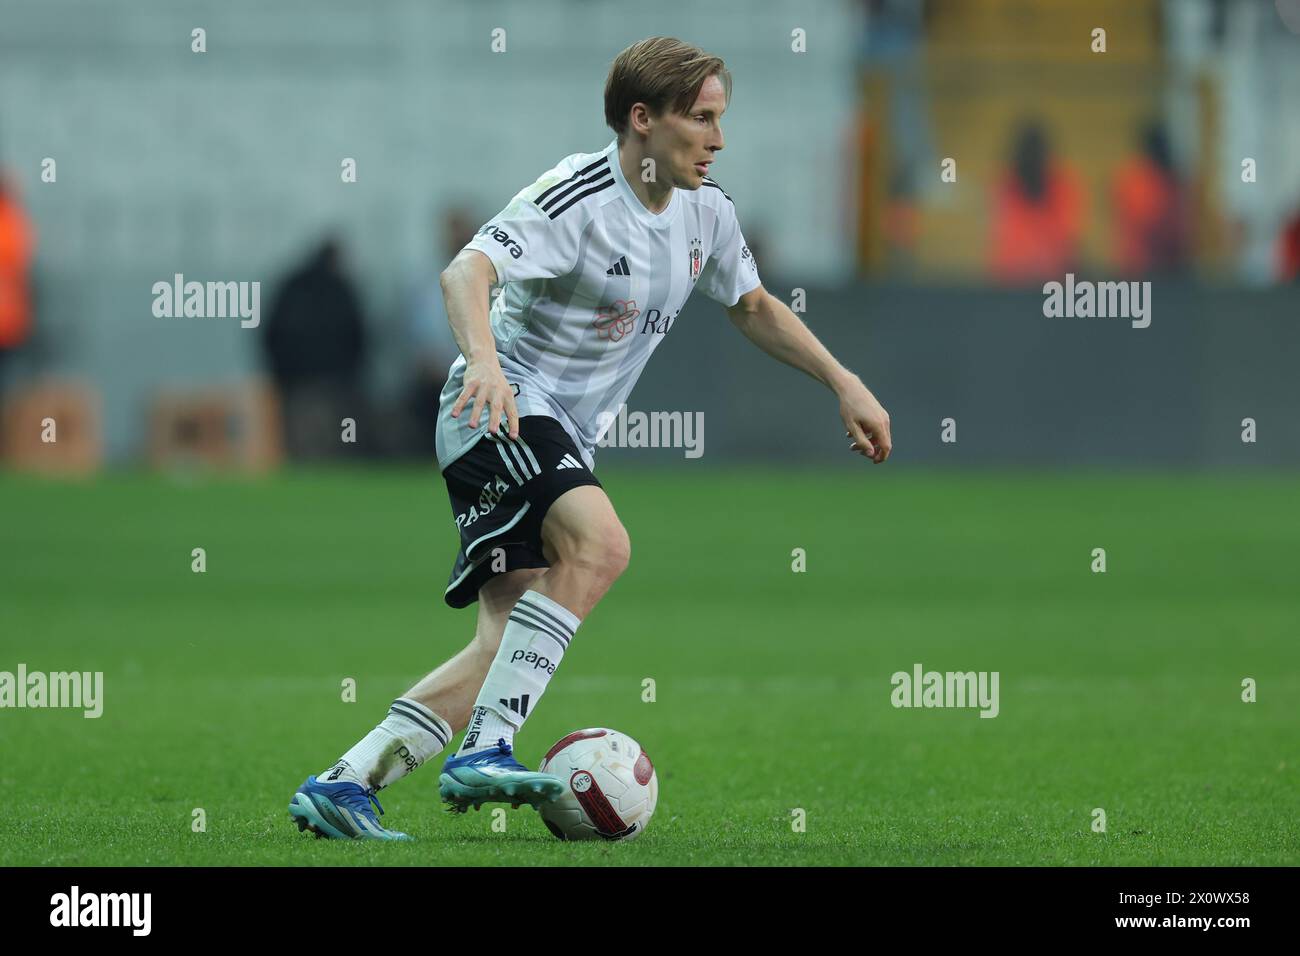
[{"x": 683, "y": 146}]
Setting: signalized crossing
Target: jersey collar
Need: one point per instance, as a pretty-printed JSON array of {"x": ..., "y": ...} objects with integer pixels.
[{"x": 655, "y": 221}]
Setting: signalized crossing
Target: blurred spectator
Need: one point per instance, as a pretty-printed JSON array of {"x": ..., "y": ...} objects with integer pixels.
[
  {"x": 17, "y": 243},
  {"x": 315, "y": 344},
  {"x": 433, "y": 346},
  {"x": 1037, "y": 212},
  {"x": 893, "y": 44},
  {"x": 1289, "y": 249},
  {"x": 1149, "y": 208}
]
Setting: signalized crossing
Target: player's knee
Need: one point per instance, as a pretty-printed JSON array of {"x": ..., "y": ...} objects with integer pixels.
[
  {"x": 604, "y": 553},
  {"x": 497, "y": 599},
  {"x": 620, "y": 553}
]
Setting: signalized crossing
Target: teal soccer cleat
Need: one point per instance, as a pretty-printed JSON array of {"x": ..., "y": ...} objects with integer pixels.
[
  {"x": 494, "y": 776},
  {"x": 339, "y": 810}
]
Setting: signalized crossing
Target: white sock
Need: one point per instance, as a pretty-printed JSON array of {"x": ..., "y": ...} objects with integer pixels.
[
  {"x": 408, "y": 736},
  {"x": 536, "y": 636},
  {"x": 486, "y": 727}
]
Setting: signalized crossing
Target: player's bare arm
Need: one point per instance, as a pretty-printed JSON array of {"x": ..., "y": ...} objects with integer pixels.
[
  {"x": 772, "y": 326},
  {"x": 466, "y": 283}
]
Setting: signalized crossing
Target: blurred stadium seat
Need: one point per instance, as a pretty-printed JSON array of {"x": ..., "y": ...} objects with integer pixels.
[{"x": 53, "y": 427}]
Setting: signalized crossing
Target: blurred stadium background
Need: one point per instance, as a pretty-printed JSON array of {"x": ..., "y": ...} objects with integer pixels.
[
  {"x": 226, "y": 166},
  {"x": 1120, "y": 689}
]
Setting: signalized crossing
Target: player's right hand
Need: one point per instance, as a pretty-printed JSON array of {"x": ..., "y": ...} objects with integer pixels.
[
  {"x": 867, "y": 422},
  {"x": 487, "y": 385}
]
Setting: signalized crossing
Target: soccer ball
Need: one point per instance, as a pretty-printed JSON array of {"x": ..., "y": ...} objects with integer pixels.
[{"x": 610, "y": 787}]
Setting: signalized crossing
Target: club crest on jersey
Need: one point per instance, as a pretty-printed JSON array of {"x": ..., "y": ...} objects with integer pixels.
[
  {"x": 612, "y": 322},
  {"x": 697, "y": 258}
]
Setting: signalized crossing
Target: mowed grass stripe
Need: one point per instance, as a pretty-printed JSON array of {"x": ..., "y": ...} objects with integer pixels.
[{"x": 1118, "y": 690}]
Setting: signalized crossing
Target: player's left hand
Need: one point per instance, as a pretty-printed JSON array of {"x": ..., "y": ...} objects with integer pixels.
[{"x": 867, "y": 423}]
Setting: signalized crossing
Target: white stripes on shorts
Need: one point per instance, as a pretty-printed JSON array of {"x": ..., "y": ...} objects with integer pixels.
[{"x": 524, "y": 464}]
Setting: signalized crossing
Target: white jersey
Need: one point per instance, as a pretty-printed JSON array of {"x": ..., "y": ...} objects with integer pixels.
[{"x": 593, "y": 282}]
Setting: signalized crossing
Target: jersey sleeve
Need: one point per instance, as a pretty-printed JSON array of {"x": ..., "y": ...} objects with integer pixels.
[
  {"x": 524, "y": 242},
  {"x": 731, "y": 270}
]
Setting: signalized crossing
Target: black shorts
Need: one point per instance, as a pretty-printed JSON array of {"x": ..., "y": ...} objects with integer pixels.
[{"x": 500, "y": 491}]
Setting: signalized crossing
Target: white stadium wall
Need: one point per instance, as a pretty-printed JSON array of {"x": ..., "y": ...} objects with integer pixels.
[{"x": 225, "y": 165}]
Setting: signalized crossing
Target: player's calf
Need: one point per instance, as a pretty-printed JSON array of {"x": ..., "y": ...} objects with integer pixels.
[{"x": 536, "y": 636}]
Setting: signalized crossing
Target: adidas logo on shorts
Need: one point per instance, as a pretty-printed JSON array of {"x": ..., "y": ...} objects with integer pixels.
[{"x": 568, "y": 461}]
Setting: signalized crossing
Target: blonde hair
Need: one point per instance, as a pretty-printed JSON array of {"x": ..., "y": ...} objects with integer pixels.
[{"x": 661, "y": 72}]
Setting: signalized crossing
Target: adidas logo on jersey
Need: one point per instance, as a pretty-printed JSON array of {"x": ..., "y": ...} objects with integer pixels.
[
  {"x": 619, "y": 268},
  {"x": 568, "y": 461}
]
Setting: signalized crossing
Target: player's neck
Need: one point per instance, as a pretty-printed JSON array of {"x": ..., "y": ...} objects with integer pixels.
[{"x": 655, "y": 196}]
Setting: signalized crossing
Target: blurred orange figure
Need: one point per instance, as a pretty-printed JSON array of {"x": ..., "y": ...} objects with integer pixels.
[
  {"x": 1037, "y": 213},
  {"x": 16, "y": 243},
  {"x": 1150, "y": 220}
]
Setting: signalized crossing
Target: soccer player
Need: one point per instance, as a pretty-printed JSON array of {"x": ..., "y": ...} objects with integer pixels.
[{"x": 596, "y": 259}]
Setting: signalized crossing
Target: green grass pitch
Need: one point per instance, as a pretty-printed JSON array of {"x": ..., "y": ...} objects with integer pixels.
[{"x": 1119, "y": 690}]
